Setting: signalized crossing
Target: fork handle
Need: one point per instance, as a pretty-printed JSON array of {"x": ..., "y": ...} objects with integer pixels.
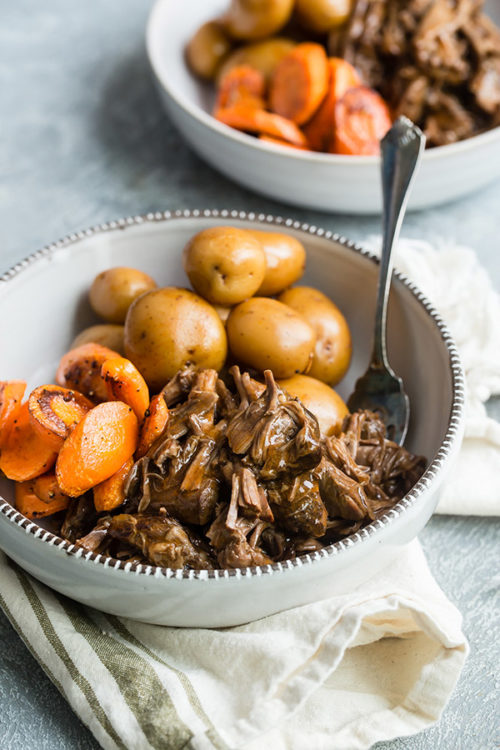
[{"x": 401, "y": 149}]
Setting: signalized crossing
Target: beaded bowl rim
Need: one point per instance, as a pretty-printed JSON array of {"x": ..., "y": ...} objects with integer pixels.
[{"x": 372, "y": 529}]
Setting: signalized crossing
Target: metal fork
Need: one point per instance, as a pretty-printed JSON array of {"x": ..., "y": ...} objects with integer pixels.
[{"x": 380, "y": 389}]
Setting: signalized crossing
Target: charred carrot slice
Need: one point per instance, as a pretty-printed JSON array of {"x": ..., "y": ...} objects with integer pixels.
[
  {"x": 99, "y": 445},
  {"x": 80, "y": 369},
  {"x": 110, "y": 494},
  {"x": 319, "y": 129},
  {"x": 11, "y": 396},
  {"x": 29, "y": 504},
  {"x": 26, "y": 454},
  {"x": 300, "y": 82},
  {"x": 155, "y": 421},
  {"x": 125, "y": 383},
  {"x": 241, "y": 83},
  {"x": 55, "y": 411},
  {"x": 47, "y": 489},
  {"x": 362, "y": 119},
  {"x": 246, "y": 117},
  {"x": 281, "y": 142}
]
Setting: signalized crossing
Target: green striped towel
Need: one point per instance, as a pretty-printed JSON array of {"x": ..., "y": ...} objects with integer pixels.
[{"x": 340, "y": 674}]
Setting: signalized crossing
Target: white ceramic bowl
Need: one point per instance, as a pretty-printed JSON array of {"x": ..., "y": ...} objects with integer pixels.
[
  {"x": 328, "y": 182},
  {"x": 35, "y": 337}
]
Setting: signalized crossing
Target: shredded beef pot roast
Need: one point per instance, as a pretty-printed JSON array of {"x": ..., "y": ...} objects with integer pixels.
[
  {"x": 435, "y": 61},
  {"x": 241, "y": 476}
]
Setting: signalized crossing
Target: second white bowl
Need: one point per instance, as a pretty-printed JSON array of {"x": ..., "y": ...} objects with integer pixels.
[{"x": 329, "y": 182}]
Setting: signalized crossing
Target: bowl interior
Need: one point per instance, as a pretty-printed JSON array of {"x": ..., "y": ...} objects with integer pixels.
[
  {"x": 169, "y": 30},
  {"x": 34, "y": 335}
]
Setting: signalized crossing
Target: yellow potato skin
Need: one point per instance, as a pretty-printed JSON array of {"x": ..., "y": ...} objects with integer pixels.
[
  {"x": 333, "y": 348},
  {"x": 207, "y": 49},
  {"x": 256, "y": 19},
  {"x": 113, "y": 291},
  {"x": 265, "y": 334},
  {"x": 167, "y": 329},
  {"x": 321, "y": 16},
  {"x": 105, "y": 334},
  {"x": 285, "y": 261},
  {"x": 263, "y": 56},
  {"x": 321, "y": 400},
  {"x": 225, "y": 265}
]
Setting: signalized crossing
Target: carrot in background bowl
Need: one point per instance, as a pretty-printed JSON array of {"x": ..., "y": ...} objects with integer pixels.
[
  {"x": 299, "y": 82},
  {"x": 239, "y": 84},
  {"x": 244, "y": 116},
  {"x": 361, "y": 119},
  {"x": 319, "y": 129}
]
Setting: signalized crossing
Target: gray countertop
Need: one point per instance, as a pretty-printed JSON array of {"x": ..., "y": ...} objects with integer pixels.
[{"x": 84, "y": 140}]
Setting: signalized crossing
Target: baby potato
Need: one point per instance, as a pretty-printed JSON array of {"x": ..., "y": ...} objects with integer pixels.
[
  {"x": 265, "y": 334},
  {"x": 285, "y": 261},
  {"x": 207, "y": 49},
  {"x": 113, "y": 291},
  {"x": 262, "y": 56},
  {"x": 256, "y": 19},
  {"x": 321, "y": 400},
  {"x": 321, "y": 16},
  {"x": 105, "y": 334},
  {"x": 169, "y": 328},
  {"x": 332, "y": 352},
  {"x": 225, "y": 265}
]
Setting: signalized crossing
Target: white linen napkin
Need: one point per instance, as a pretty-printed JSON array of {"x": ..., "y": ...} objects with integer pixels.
[
  {"x": 340, "y": 674},
  {"x": 452, "y": 278}
]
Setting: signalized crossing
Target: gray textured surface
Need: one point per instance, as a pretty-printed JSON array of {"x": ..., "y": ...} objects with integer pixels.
[{"x": 84, "y": 140}]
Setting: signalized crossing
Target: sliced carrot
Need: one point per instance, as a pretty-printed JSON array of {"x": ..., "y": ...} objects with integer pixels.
[
  {"x": 319, "y": 129},
  {"x": 55, "y": 411},
  {"x": 29, "y": 504},
  {"x": 155, "y": 421},
  {"x": 98, "y": 446},
  {"x": 343, "y": 76},
  {"x": 362, "y": 119},
  {"x": 11, "y": 396},
  {"x": 80, "y": 369},
  {"x": 110, "y": 494},
  {"x": 47, "y": 489},
  {"x": 25, "y": 454},
  {"x": 241, "y": 83},
  {"x": 125, "y": 383},
  {"x": 281, "y": 142},
  {"x": 300, "y": 82},
  {"x": 245, "y": 117}
]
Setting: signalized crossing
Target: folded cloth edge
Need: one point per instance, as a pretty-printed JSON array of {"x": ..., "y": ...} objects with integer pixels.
[{"x": 328, "y": 656}]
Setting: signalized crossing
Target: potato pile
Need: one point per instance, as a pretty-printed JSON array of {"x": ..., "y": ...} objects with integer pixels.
[{"x": 243, "y": 310}]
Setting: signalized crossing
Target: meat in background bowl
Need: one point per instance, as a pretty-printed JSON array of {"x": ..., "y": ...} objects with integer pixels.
[
  {"x": 420, "y": 350},
  {"x": 328, "y": 182}
]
